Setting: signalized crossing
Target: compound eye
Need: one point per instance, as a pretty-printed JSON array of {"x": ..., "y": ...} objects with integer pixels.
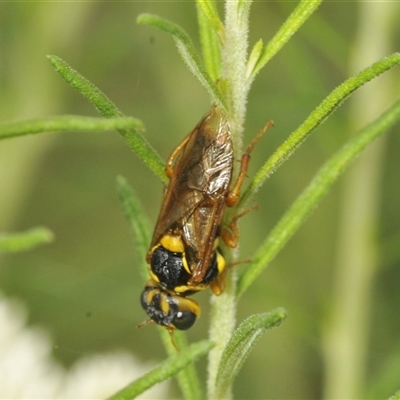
[{"x": 184, "y": 320}]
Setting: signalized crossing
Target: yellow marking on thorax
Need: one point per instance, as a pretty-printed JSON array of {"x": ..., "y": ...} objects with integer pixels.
[
  {"x": 154, "y": 276},
  {"x": 172, "y": 243}
]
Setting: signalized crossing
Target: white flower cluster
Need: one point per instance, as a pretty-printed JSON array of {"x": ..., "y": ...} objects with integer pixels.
[{"x": 28, "y": 371}]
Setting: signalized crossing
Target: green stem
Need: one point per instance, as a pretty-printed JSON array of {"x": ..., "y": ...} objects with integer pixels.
[
  {"x": 234, "y": 59},
  {"x": 222, "y": 325}
]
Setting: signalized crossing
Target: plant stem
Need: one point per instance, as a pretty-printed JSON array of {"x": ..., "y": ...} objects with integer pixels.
[
  {"x": 234, "y": 58},
  {"x": 233, "y": 71},
  {"x": 223, "y": 320},
  {"x": 345, "y": 336}
]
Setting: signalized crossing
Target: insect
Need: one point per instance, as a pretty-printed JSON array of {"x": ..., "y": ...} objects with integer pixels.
[{"x": 185, "y": 256}]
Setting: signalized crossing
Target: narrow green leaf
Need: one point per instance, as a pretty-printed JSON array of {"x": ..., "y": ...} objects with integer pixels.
[
  {"x": 316, "y": 118},
  {"x": 313, "y": 194},
  {"x": 23, "y": 241},
  {"x": 137, "y": 220},
  {"x": 301, "y": 13},
  {"x": 165, "y": 370},
  {"x": 108, "y": 109},
  {"x": 188, "y": 53},
  {"x": 102, "y": 103},
  {"x": 254, "y": 57},
  {"x": 66, "y": 123},
  {"x": 240, "y": 345},
  {"x": 209, "y": 10},
  {"x": 211, "y": 36},
  {"x": 336, "y": 52}
]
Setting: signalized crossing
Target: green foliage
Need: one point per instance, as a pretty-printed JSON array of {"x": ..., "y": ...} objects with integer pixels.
[
  {"x": 64, "y": 123},
  {"x": 239, "y": 346},
  {"x": 137, "y": 220},
  {"x": 188, "y": 379},
  {"x": 212, "y": 33},
  {"x": 165, "y": 370},
  {"x": 226, "y": 73},
  {"x": 213, "y": 38},
  {"x": 260, "y": 55},
  {"x": 313, "y": 194},
  {"x": 188, "y": 53},
  {"x": 316, "y": 118},
  {"x": 17, "y": 242},
  {"x": 108, "y": 109}
]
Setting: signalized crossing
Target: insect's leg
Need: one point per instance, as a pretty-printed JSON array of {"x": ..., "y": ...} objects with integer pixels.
[
  {"x": 169, "y": 166},
  {"x": 230, "y": 234},
  {"x": 217, "y": 286},
  {"x": 170, "y": 331},
  {"x": 233, "y": 196},
  {"x": 145, "y": 323},
  {"x": 171, "y": 335}
]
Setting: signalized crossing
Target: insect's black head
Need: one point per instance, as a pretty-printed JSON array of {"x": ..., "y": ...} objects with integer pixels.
[{"x": 169, "y": 309}]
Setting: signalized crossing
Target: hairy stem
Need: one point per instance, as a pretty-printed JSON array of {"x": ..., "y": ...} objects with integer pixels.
[{"x": 234, "y": 58}]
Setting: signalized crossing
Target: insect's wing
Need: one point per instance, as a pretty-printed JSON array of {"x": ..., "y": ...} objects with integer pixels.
[
  {"x": 194, "y": 199},
  {"x": 207, "y": 180},
  {"x": 178, "y": 201}
]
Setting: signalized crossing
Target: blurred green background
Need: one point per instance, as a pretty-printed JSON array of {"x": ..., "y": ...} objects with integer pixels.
[{"x": 84, "y": 288}]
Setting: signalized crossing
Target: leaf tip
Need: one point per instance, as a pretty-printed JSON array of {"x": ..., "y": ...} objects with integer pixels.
[
  {"x": 55, "y": 61},
  {"x": 120, "y": 180},
  {"x": 143, "y": 18}
]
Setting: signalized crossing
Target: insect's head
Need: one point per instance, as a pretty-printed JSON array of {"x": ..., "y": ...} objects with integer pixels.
[{"x": 167, "y": 308}]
